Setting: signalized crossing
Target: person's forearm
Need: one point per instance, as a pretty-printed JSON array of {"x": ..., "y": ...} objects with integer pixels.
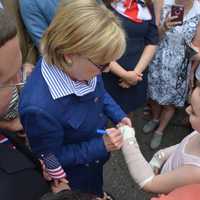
[
  {"x": 116, "y": 69},
  {"x": 146, "y": 58},
  {"x": 144, "y": 61}
]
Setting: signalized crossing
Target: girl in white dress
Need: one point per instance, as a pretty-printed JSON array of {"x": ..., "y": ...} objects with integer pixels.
[{"x": 177, "y": 165}]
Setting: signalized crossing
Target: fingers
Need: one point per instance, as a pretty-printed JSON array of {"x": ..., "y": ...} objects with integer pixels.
[
  {"x": 170, "y": 23},
  {"x": 64, "y": 180},
  {"x": 123, "y": 84},
  {"x": 119, "y": 125},
  {"x": 127, "y": 121},
  {"x": 59, "y": 187},
  {"x": 56, "y": 182},
  {"x": 113, "y": 140},
  {"x": 139, "y": 78},
  {"x": 45, "y": 174}
]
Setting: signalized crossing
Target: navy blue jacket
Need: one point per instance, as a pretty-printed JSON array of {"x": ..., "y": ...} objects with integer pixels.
[{"x": 67, "y": 127}]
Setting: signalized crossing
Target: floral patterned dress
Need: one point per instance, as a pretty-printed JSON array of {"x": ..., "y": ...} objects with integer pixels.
[{"x": 170, "y": 69}]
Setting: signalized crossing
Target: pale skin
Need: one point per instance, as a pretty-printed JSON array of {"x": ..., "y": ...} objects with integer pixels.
[
  {"x": 129, "y": 78},
  {"x": 10, "y": 58},
  {"x": 27, "y": 70},
  {"x": 187, "y": 174}
]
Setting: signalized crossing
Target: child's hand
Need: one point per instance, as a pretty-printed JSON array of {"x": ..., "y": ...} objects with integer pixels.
[
  {"x": 132, "y": 77},
  {"x": 124, "y": 84},
  {"x": 59, "y": 185}
]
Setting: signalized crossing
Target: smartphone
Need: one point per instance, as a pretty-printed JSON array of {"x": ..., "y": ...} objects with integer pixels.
[{"x": 177, "y": 10}]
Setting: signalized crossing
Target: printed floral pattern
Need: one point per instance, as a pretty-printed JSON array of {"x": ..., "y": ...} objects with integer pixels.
[{"x": 170, "y": 69}]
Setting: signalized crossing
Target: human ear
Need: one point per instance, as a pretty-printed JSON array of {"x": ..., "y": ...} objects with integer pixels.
[{"x": 68, "y": 60}]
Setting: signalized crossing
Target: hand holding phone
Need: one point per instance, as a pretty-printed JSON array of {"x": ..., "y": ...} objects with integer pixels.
[{"x": 177, "y": 11}]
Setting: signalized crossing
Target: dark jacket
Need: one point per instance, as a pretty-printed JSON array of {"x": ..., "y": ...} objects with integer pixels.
[{"x": 20, "y": 179}]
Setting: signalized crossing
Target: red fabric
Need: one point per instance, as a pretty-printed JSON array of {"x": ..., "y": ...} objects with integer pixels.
[
  {"x": 2, "y": 138},
  {"x": 188, "y": 192},
  {"x": 132, "y": 10}
]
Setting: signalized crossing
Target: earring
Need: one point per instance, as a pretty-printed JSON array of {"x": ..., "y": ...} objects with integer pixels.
[{"x": 69, "y": 62}]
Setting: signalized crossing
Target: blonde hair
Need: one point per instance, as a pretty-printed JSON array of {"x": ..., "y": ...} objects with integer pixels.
[{"x": 85, "y": 28}]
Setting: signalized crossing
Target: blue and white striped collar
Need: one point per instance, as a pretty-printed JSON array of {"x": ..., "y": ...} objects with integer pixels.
[{"x": 60, "y": 84}]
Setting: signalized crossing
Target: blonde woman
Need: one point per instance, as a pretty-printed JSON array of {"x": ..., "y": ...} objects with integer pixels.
[{"x": 64, "y": 102}]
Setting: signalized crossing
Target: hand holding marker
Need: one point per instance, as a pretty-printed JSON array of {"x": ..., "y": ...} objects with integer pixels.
[{"x": 112, "y": 138}]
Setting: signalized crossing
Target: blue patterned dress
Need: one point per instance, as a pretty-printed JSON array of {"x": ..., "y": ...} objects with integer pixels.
[{"x": 169, "y": 71}]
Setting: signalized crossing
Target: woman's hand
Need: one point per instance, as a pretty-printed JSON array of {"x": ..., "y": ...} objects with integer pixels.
[
  {"x": 59, "y": 185},
  {"x": 113, "y": 139},
  {"x": 45, "y": 174},
  {"x": 124, "y": 84},
  {"x": 169, "y": 23},
  {"x": 132, "y": 77},
  {"x": 125, "y": 122}
]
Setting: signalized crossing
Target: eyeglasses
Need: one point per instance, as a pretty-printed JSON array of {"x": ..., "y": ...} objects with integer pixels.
[{"x": 100, "y": 67}]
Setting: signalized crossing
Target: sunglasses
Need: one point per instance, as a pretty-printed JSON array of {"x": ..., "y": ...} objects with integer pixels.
[{"x": 100, "y": 67}]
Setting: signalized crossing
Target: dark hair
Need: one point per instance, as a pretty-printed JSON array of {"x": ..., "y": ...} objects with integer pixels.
[
  {"x": 68, "y": 195},
  {"x": 8, "y": 28}
]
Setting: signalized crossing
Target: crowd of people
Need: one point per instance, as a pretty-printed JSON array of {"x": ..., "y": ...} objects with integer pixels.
[{"x": 70, "y": 67}]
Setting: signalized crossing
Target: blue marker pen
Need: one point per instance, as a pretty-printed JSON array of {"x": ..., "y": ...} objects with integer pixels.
[{"x": 101, "y": 132}]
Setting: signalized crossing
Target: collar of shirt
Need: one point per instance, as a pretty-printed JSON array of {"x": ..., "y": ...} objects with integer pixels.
[
  {"x": 60, "y": 84},
  {"x": 135, "y": 10}
]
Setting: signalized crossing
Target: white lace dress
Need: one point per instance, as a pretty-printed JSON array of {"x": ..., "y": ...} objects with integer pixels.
[
  {"x": 181, "y": 158},
  {"x": 169, "y": 70}
]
